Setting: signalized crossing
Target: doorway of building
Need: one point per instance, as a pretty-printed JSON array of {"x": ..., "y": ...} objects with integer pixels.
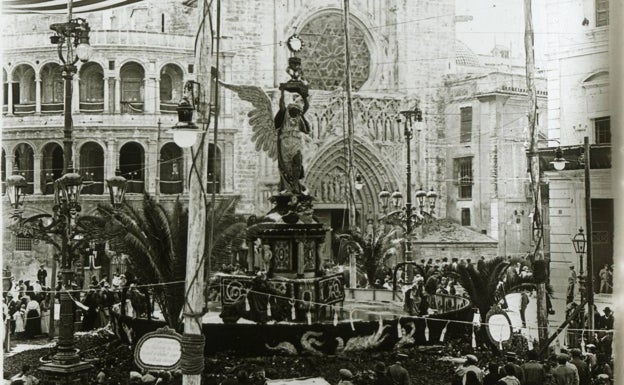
[{"x": 602, "y": 236}]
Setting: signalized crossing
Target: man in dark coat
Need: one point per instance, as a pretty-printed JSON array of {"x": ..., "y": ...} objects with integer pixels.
[
  {"x": 534, "y": 373},
  {"x": 41, "y": 275},
  {"x": 512, "y": 359},
  {"x": 397, "y": 373},
  {"x": 562, "y": 374},
  {"x": 581, "y": 366}
]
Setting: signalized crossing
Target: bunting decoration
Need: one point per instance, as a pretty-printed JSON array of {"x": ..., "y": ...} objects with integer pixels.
[
  {"x": 443, "y": 333},
  {"x": 60, "y": 6}
]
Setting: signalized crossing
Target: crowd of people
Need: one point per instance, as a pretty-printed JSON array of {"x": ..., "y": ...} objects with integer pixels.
[
  {"x": 27, "y": 307},
  {"x": 29, "y": 304},
  {"x": 568, "y": 367}
]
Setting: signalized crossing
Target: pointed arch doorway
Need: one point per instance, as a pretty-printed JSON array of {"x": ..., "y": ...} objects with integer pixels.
[{"x": 327, "y": 182}]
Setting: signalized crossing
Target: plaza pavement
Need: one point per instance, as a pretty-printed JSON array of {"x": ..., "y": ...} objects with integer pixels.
[{"x": 554, "y": 321}]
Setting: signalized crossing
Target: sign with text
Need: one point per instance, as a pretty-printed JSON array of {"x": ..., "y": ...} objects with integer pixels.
[{"x": 159, "y": 350}]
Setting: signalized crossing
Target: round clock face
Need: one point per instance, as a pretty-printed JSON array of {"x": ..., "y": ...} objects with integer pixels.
[{"x": 294, "y": 43}]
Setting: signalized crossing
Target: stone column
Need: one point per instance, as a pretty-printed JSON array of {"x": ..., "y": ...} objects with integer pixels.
[
  {"x": 156, "y": 94},
  {"x": 148, "y": 100},
  {"x": 117, "y": 95},
  {"x": 10, "y": 101},
  {"x": 106, "y": 94},
  {"x": 151, "y": 164},
  {"x": 37, "y": 174},
  {"x": 110, "y": 159},
  {"x": 76, "y": 94},
  {"x": 188, "y": 161},
  {"x": 37, "y": 94}
]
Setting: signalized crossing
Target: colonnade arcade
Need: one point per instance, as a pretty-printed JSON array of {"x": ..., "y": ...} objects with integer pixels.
[
  {"x": 32, "y": 89},
  {"x": 96, "y": 162}
]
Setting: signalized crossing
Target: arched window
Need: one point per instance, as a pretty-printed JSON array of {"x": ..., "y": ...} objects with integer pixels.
[
  {"x": 132, "y": 165},
  {"x": 171, "y": 84},
  {"x": 24, "y": 92},
  {"x": 24, "y": 163},
  {"x": 51, "y": 166},
  {"x": 91, "y": 88},
  {"x": 171, "y": 160},
  {"x": 52, "y": 91},
  {"x": 132, "y": 90},
  {"x": 323, "y": 56},
  {"x": 92, "y": 168}
]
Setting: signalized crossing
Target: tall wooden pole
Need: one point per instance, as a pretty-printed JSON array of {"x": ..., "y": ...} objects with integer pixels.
[
  {"x": 542, "y": 311},
  {"x": 350, "y": 135},
  {"x": 192, "y": 360},
  {"x": 590, "y": 253}
]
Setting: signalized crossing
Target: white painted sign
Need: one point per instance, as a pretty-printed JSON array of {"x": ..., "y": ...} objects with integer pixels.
[{"x": 160, "y": 350}]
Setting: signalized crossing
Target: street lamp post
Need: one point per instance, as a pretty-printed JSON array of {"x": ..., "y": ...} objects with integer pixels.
[
  {"x": 66, "y": 366},
  {"x": 579, "y": 242},
  {"x": 559, "y": 164},
  {"x": 74, "y": 36},
  {"x": 406, "y": 216}
]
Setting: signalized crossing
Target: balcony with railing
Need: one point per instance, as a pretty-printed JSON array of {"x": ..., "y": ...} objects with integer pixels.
[
  {"x": 91, "y": 107},
  {"x": 51, "y": 108}
]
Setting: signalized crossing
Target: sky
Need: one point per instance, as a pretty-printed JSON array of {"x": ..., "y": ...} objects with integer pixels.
[{"x": 500, "y": 22}]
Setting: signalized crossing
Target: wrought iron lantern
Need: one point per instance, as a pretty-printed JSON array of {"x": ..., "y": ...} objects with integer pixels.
[{"x": 117, "y": 186}]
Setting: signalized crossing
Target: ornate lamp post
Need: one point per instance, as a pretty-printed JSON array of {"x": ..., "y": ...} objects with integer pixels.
[
  {"x": 117, "y": 186},
  {"x": 66, "y": 366},
  {"x": 580, "y": 242},
  {"x": 15, "y": 191},
  {"x": 405, "y": 216},
  {"x": 74, "y": 36}
]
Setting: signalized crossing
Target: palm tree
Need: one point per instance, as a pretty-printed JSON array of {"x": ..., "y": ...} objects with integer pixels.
[
  {"x": 480, "y": 285},
  {"x": 156, "y": 243},
  {"x": 373, "y": 250}
]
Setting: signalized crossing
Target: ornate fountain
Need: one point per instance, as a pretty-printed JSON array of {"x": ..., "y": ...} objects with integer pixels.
[{"x": 284, "y": 246}]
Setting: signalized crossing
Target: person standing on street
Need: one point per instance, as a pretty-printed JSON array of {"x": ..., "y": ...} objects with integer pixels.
[
  {"x": 581, "y": 366},
  {"x": 603, "y": 279},
  {"x": 397, "y": 374},
  {"x": 562, "y": 374},
  {"x": 381, "y": 374},
  {"x": 524, "y": 302},
  {"x": 571, "y": 283},
  {"x": 534, "y": 373},
  {"x": 510, "y": 378},
  {"x": 42, "y": 274},
  {"x": 470, "y": 365}
]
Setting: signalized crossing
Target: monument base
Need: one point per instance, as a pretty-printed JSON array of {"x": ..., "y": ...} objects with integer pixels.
[{"x": 55, "y": 373}]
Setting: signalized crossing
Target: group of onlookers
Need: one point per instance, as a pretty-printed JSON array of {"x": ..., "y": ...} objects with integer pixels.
[
  {"x": 27, "y": 306},
  {"x": 564, "y": 368}
]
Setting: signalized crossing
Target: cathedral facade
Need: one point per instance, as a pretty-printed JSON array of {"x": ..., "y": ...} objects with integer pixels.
[{"x": 124, "y": 101}]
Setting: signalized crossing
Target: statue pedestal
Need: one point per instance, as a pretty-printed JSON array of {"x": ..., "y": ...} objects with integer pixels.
[{"x": 289, "y": 240}]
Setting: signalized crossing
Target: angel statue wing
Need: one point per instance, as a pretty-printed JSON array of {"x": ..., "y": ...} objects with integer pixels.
[{"x": 260, "y": 118}]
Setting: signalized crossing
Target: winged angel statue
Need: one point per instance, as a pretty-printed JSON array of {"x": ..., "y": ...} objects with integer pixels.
[{"x": 280, "y": 136}]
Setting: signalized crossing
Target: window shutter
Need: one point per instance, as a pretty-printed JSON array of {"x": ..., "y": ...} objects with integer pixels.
[{"x": 465, "y": 131}]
